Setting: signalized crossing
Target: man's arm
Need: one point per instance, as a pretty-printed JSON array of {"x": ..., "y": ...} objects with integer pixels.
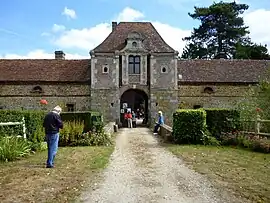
[{"x": 59, "y": 122}]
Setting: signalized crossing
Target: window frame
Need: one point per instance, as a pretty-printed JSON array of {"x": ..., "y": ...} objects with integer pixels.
[
  {"x": 133, "y": 61},
  {"x": 70, "y": 105}
]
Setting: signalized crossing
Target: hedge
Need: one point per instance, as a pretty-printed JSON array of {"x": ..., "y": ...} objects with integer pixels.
[
  {"x": 89, "y": 118},
  {"x": 33, "y": 122},
  {"x": 189, "y": 126},
  {"x": 222, "y": 121}
]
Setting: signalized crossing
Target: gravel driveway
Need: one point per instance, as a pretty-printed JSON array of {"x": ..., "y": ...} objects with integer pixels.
[{"x": 142, "y": 171}]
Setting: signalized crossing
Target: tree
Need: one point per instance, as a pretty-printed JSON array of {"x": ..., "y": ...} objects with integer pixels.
[
  {"x": 251, "y": 51},
  {"x": 220, "y": 31}
]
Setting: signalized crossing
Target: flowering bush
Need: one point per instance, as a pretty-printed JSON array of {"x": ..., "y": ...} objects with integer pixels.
[{"x": 255, "y": 143}]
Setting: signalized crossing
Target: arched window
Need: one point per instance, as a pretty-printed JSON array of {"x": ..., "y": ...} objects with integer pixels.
[
  {"x": 134, "y": 64},
  {"x": 37, "y": 89},
  {"x": 208, "y": 90}
]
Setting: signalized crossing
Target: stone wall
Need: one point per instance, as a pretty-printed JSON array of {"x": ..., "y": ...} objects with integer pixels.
[
  {"x": 225, "y": 96},
  {"x": 101, "y": 79},
  {"x": 82, "y": 103},
  {"x": 164, "y": 72},
  {"x": 165, "y": 101},
  {"x": 107, "y": 102},
  {"x": 24, "y": 96}
]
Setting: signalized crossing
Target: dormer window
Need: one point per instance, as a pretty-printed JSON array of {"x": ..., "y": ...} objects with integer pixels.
[
  {"x": 134, "y": 64},
  {"x": 134, "y": 44}
]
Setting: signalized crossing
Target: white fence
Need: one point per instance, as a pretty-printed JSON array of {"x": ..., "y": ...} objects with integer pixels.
[{"x": 17, "y": 123}]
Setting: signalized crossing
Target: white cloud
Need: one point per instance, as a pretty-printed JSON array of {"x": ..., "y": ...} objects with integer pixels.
[
  {"x": 70, "y": 13},
  {"x": 259, "y": 26},
  {"x": 129, "y": 14},
  {"x": 172, "y": 35},
  {"x": 58, "y": 28},
  {"x": 41, "y": 54},
  {"x": 88, "y": 38}
]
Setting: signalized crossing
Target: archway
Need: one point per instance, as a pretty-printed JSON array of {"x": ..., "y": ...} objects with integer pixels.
[{"x": 135, "y": 100}]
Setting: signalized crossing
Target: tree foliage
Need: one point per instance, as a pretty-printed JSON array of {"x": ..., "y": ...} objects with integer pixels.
[
  {"x": 251, "y": 51},
  {"x": 222, "y": 31}
]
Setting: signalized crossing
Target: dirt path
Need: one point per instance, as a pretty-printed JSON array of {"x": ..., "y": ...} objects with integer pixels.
[{"x": 142, "y": 171}]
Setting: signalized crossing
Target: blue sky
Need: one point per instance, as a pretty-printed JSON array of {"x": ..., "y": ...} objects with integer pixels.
[{"x": 35, "y": 29}]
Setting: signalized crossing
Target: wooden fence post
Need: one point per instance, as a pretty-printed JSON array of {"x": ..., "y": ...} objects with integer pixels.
[
  {"x": 24, "y": 128},
  {"x": 257, "y": 124}
]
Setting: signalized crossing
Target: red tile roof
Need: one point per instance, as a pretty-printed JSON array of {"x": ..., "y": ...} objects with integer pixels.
[
  {"x": 47, "y": 70},
  {"x": 151, "y": 38},
  {"x": 236, "y": 71},
  {"x": 51, "y": 70}
]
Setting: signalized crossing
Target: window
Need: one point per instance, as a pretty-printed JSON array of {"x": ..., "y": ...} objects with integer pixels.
[
  {"x": 208, "y": 90},
  {"x": 197, "y": 106},
  {"x": 105, "y": 68},
  {"x": 164, "y": 69},
  {"x": 37, "y": 89},
  {"x": 134, "y": 44},
  {"x": 70, "y": 107},
  {"x": 134, "y": 64}
]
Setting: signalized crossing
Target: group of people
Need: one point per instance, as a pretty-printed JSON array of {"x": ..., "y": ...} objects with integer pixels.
[
  {"x": 130, "y": 118},
  {"x": 52, "y": 123}
]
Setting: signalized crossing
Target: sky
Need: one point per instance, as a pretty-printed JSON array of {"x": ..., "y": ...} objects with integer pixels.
[{"x": 32, "y": 29}]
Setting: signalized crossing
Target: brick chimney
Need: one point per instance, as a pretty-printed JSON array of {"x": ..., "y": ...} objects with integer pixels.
[
  {"x": 59, "y": 55},
  {"x": 114, "y": 24}
]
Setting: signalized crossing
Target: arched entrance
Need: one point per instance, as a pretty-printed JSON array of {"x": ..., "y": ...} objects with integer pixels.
[{"x": 135, "y": 100}]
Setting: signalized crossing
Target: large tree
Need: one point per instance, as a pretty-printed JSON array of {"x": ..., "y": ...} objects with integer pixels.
[{"x": 221, "y": 30}]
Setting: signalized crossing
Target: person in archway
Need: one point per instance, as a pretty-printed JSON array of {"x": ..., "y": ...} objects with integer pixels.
[
  {"x": 133, "y": 119},
  {"x": 159, "y": 122},
  {"x": 129, "y": 119}
]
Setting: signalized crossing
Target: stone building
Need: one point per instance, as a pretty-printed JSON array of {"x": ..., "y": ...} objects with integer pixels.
[{"x": 132, "y": 66}]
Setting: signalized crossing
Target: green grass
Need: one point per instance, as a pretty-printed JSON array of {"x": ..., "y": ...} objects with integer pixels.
[
  {"x": 243, "y": 173},
  {"x": 28, "y": 180}
]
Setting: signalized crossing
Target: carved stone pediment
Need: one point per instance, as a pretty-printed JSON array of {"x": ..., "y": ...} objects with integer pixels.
[{"x": 134, "y": 43}]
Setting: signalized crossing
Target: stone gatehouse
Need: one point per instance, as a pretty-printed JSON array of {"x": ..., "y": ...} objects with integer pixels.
[{"x": 132, "y": 64}]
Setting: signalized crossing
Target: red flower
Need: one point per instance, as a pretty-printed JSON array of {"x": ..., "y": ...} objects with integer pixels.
[
  {"x": 43, "y": 101},
  {"x": 258, "y": 109}
]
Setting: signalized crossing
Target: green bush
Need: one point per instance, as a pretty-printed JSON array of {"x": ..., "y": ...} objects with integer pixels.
[
  {"x": 72, "y": 135},
  {"x": 33, "y": 122},
  {"x": 88, "y": 118},
  {"x": 189, "y": 126},
  {"x": 71, "y": 132},
  {"x": 222, "y": 121},
  {"x": 254, "y": 143},
  {"x": 12, "y": 148}
]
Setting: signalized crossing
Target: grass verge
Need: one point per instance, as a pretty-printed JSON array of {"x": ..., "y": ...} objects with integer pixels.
[
  {"x": 28, "y": 181},
  {"x": 243, "y": 173}
]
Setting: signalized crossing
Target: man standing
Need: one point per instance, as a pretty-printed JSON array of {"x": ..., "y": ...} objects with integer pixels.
[{"x": 52, "y": 123}]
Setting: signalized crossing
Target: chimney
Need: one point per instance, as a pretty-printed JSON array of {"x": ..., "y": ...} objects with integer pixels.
[
  {"x": 59, "y": 55},
  {"x": 114, "y": 24}
]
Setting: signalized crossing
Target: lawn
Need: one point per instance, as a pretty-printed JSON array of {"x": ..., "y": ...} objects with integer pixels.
[
  {"x": 243, "y": 173},
  {"x": 28, "y": 180}
]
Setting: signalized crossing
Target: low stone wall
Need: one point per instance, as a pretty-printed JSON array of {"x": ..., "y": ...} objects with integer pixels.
[
  {"x": 166, "y": 132},
  {"x": 109, "y": 128}
]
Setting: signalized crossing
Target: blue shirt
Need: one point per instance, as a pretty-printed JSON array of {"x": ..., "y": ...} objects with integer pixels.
[{"x": 160, "y": 120}]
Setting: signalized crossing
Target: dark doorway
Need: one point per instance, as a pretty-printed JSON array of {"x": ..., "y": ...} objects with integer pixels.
[{"x": 135, "y": 100}]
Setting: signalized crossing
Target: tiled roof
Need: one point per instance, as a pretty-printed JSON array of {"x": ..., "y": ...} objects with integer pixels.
[
  {"x": 45, "y": 70},
  {"x": 248, "y": 71},
  {"x": 117, "y": 38}
]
